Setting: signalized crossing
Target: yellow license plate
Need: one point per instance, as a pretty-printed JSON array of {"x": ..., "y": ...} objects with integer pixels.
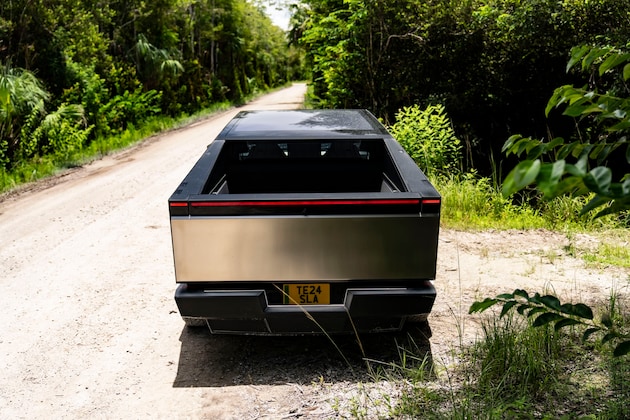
[{"x": 307, "y": 294}]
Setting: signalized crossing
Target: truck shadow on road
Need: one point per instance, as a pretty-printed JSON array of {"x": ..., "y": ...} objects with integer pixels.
[{"x": 224, "y": 360}]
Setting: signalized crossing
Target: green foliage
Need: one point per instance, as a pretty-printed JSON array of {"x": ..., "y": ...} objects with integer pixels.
[
  {"x": 155, "y": 64},
  {"x": 62, "y": 133},
  {"x": 571, "y": 170},
  {"x": 547, "y": 310},
  {"x": 126, "y": 62},
  {"x": 21, "y": 96},
  {"x": 474, "y": 202},
  {"x": 492, "y": 64},
  {"x": 514, "y": 370},
  {"x": 428, "y": 136},
  {"x": 127, "y": 109},
  {"x": 515, "y": 361}
]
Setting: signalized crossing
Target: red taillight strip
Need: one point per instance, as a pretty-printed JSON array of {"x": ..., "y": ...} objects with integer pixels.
[
  {"x": 431, "y": 201},
  {"x": 178, "y": 204},
  {"x": 303, "y": 203}
]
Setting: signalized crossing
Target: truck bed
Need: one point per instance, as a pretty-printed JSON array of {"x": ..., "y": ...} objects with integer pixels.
[{"x": 293, "y": 166}]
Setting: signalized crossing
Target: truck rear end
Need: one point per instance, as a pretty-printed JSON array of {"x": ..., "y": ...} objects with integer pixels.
[{"x": 304, "y": 222}]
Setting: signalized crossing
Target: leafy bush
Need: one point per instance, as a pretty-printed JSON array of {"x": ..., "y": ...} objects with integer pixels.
[
  {"x": 570, "y": 170},
  {"x": 128, "y": 108},
  {"x": 60, "y": 133},
  {"x": 428, "y": 136},
  {"x": 21, "y": 96}
]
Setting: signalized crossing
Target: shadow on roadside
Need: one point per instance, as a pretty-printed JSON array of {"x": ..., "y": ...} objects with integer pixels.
[{"x": 226, "y": 360}]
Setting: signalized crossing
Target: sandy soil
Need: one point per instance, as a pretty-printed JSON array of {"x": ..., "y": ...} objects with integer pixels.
[{"x": 90, "y": 328}]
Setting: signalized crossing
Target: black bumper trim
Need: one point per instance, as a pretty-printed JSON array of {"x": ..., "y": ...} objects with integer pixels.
[{"x": 247, "y": 311}]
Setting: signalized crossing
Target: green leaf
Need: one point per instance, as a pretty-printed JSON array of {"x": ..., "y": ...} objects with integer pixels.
[
  {"x": 510, "y": 142},
  {"x": 482, "y": 306},
  {"x": 608, "y": 337},
  {"x": 551, "y": 302},
  {"x": 522, "y": 293},
  {"x": 593, "y": 55},
  {"x": 597, "y": 150},
  {"x": 554, "y": 143},
  {"x": 536, "y": 151},
  {"x": 623, "y": 125},
  {"x": 598, "y": 180},
  {"x": 626, "y": 72},
  {"x": 612, "y": 61},
  {"x": 506, "y": 307},
  {"x": 506, "y": 296},
  {"x": 574, "y": 170},
  {"x": 566, "y": 150},
  {"x": 583, "y": 311},
  {"x": 534, "y": 311},
  {"x": 554, "y": 101},
  {"x": 549, "y": 177},
  {"x": 570, "y": 185},
  {"x": 595, "y": 202},
  {"x": 546, "y": 318},
  {"x": 578, "y": 109},
  {"x": 616, "y": 206},
  {"x": 589, "y": 332},
  {"x": 521, "y": 176},
  {"x": 607, "y": 320},
  {"x": 576, "y": 55},
  {"x": 566, "y": 323},
  {"x": 622, "y": 349},
  {"x": 579, "y": 310},
  {"x": 522, "y": 308}
]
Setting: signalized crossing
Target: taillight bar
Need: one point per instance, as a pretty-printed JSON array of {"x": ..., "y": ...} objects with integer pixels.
[
  {"x": 428, "y": 201},
  {"x": 282, "y": 203},
  {"x": 431, "y": 201}
]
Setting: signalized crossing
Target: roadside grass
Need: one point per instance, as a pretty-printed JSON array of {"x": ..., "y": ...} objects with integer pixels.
[
  {"x": 514, "y": 370},
  {"x": 610, "y": 252},
  {"x": 471, "y": 202}
]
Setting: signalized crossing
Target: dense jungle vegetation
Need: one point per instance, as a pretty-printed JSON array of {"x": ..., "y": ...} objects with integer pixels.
[
  {"x": 73, "y": 72},
  {"x": 493, "y": 64}
]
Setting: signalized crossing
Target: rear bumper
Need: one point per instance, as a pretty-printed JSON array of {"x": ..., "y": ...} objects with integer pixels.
[{"x": 248, "y": 312}]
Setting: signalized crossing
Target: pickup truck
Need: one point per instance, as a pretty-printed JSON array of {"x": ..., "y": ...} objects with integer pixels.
[{"x": 304, "y": 222}]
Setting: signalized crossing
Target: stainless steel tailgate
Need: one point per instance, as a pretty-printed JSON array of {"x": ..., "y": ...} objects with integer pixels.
[{"x": 304, "y": 248}]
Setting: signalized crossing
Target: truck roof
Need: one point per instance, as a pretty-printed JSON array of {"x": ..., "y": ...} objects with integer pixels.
[{"x": 303, "y": 124}]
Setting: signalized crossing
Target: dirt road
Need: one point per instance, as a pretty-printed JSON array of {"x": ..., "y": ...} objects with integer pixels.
[{"x": 89, "y": 327}]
